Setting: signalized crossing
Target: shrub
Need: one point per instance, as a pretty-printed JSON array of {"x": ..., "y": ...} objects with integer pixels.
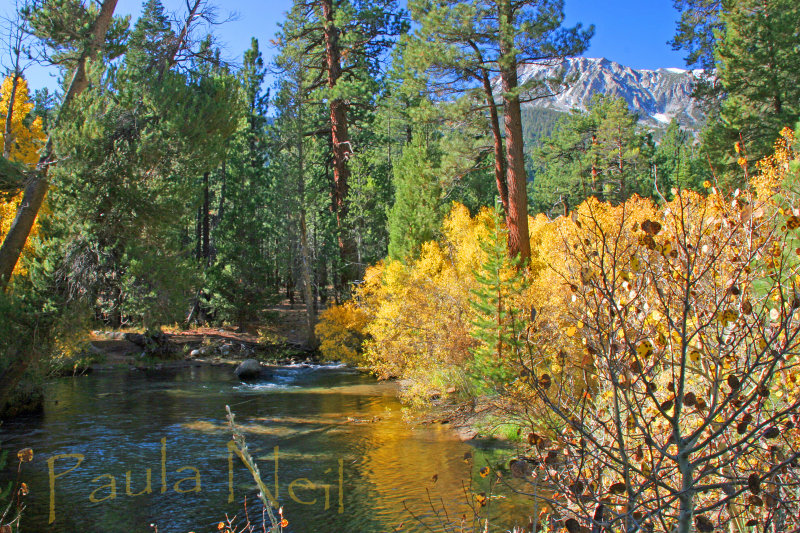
[{"x": 341, "y": 333}]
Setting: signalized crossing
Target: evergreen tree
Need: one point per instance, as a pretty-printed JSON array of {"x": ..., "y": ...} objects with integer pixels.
[
  {"x": 677, "y": 162},
  {"x": 463, "y": 44},
  {"x": 600, "y": 152},
  {"x": 77, "y": 35},
  {"x": 131, "y": 157},
  {"x": 417, "y": 212},
  {"x": 238, "y": 285},
  {"x": 700, "y": 21},
  {"x": 499, "y": 321},
  {"x": 758, "y": 64},
  {"x": 343, "y": 42}
]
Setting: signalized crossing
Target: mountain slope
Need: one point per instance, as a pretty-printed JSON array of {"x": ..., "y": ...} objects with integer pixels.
[{"x": 657, "y": 95}]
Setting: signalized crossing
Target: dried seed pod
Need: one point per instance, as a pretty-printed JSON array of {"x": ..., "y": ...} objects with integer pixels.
[{"x": 754, "y": 483}]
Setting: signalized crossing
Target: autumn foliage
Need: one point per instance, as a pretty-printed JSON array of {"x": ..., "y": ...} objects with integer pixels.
[
  {"x": 27, "y": 139},
  {"x": 659, "y": 381}
]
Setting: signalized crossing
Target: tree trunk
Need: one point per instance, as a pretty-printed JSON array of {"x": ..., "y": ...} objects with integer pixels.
[
  {"x": 16, "y": 36},
  {"x": 206, "y": 220},
  {"x": 220, "y": 210},
  {"x": 499, "y": 157},
  {"x": 8, "y": 135},
  {"x": 198, "y": 235},
  {"x": 342, "y": 149},
  {"x": 305, "y": 256},
  {"x": 37, "y": 186},
  {"x": 517, "y": 219},
  {"x": 686, "y": 497}
]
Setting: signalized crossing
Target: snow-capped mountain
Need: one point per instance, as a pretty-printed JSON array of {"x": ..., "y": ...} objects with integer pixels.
[{"x": 657, "y": 95}]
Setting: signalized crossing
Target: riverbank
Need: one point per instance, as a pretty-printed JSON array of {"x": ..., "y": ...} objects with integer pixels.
[{"x": 280, "y": 340}]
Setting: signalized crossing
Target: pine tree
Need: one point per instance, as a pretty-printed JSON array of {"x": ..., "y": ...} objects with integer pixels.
[
  {"x": 498, "y": 323},
  {"x": 78, "y": 35},
  {"x": 131, "y": 158},
  {"x": 677, "y": 163},
  {"x": 462, "y": 45},
  {"x": 232, "y": 226},
  {"x": 600, "y": 153},
  {"x": 343, "y": 42},
  {"x": 417, "y": 212},
  {"x": 758, "y": 64}
]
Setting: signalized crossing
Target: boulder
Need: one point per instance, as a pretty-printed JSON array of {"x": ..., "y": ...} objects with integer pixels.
[{"x": 248, "y": 369}]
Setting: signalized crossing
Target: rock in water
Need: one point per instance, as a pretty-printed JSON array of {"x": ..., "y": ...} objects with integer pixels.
[{"x": 248, "y": 369}]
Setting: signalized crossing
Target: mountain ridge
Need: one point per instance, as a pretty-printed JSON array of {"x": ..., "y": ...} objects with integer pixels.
[{"x": 657, "y": 95}]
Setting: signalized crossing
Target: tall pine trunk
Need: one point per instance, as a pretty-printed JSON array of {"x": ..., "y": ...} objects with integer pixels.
[
  {"x": 341, "y": 147},
  {"x": 499, "y": 157},
  {"x": 206, "y": 220},
  {"x": 517, "y": 180}
]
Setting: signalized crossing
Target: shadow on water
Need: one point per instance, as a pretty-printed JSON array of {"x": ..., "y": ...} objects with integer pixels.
[{"x": 346, "y": 460}]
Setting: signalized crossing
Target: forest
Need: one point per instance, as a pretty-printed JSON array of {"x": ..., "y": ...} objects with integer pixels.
[{"x": 620, "y": 302}]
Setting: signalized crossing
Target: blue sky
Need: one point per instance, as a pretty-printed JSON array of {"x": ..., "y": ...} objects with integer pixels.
[{"x": 631, "y": 32}]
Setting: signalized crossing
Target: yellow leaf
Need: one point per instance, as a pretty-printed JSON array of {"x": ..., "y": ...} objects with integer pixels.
[
  {"x": 645, "y": 349},
  {"x": 25, "y": 455}
]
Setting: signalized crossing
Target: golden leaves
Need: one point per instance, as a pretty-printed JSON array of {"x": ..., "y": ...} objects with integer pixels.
[
  {"x": 27, "y": 133},
  {"x": 25, "y": 455},
  {"x": 482, "y": 499},
  {"x": 645, "y": 349},
  {"x": 728, "y": 316}
]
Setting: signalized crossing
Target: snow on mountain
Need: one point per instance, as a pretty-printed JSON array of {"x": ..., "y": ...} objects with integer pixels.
[{"x": 657, "y": 95}]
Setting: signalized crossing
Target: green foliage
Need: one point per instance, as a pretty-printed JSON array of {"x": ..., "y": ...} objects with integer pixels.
[
  {"x": 64, "y": 26},
  {"x": 499, "y": 324},
  {"x": 417, "y": 212},
  {"x": 131, "y": 146},
  {"x": 699, "y": 21},
  {"x": 758, "y": 66},
  {"x": 236, "y": 287},
  {"x": 677, "y": 162},
  {"x": 600, "y": 152}
]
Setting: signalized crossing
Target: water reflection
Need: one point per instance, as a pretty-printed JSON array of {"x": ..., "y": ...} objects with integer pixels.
[{"x": 332, "y": 427}]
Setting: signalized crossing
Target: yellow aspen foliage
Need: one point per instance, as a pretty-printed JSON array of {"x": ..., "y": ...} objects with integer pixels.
[
  {"x": 679, "y": 327},
  {"x": 28, "y": 138},
  {"x": 27, "y": 135},
  {"x": 419, "y": 315},
  {"x": 341, "y": 332}
]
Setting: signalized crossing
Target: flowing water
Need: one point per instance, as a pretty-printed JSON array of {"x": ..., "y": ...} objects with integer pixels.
[{"x": 346, "y": 459}]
